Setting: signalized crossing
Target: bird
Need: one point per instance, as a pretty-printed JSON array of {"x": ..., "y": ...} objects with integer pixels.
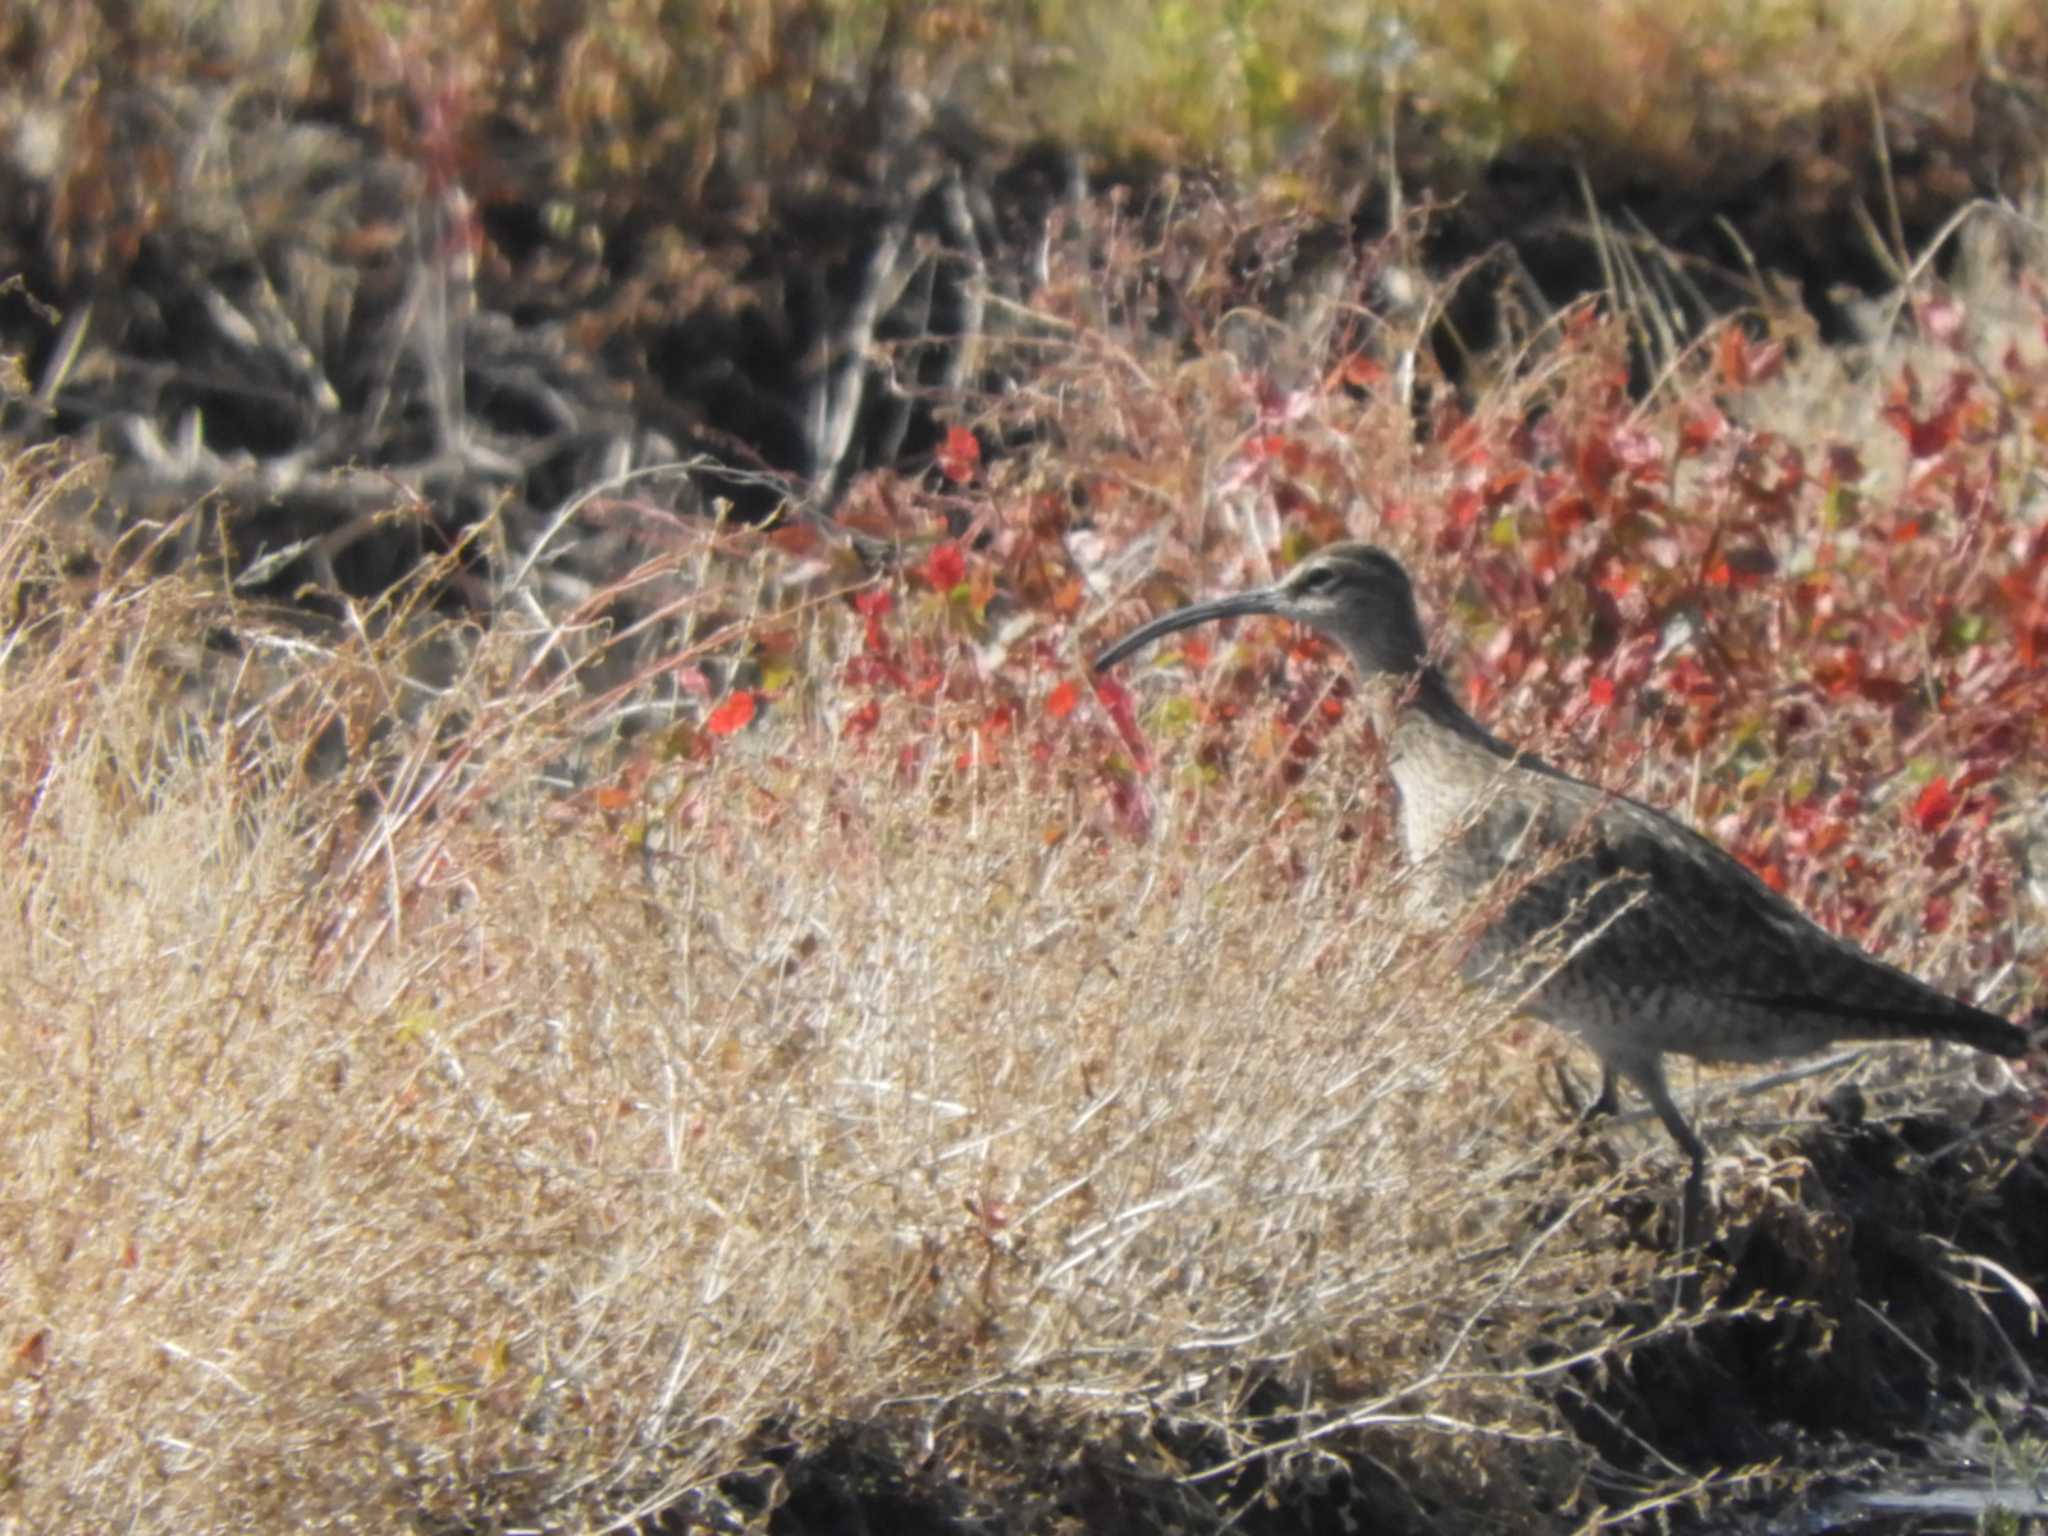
[{"x": 1629, "y": 930}]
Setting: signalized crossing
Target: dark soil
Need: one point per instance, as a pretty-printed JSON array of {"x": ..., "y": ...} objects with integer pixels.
[{"x": 1854, "y": 1341}]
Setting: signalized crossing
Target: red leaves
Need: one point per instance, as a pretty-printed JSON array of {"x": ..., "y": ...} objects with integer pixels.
[
  {"x": 1936, "y": 803},
  {"x": 874, "y": 604},
  {"x": 1358, "y": 371},
  {"x": 959, "y": 456},
  {"x": 984, "y": 745},
  {"x": 861, "y": 720},
  {"x": 1741, "y": 362},
  {"x": 1615, "y": 458},
  {"x": 1700, "y": 427},
  {"x": 1932, "y": 434},
  {"x": 1925, "y": 436},
  {"x": 1116, "y": 699},
  {"x": 2022, "y": 594},
  {"x": 1690, "y": 594},
  {"x": 1936, "y": 913},
  {"x": 945, "y": 567},
  {"x": 1276, "y": 461},
  {"x": 733, "y": 715},
  {"x": 1289, "y": 453}
]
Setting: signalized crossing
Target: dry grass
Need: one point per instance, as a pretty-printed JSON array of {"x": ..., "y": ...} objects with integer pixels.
[{"x": 517, "y": 1168}]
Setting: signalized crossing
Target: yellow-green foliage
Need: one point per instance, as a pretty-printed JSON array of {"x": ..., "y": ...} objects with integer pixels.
[{"x": 631, "y": 88}]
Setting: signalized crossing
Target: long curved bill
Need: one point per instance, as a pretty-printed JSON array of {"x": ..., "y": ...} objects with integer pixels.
[{"x": 1238, "y": 606}]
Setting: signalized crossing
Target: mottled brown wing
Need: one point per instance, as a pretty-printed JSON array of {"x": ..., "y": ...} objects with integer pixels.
[{"x": 1656, "y": 909}]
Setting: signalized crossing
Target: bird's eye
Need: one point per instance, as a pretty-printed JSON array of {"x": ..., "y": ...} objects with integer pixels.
[{"x": 1320, "y": 579}]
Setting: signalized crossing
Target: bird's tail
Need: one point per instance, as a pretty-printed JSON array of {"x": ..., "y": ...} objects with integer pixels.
[
  {"x": 1928, "y": 1015},
  {"x": 1988, "y": 1032}
]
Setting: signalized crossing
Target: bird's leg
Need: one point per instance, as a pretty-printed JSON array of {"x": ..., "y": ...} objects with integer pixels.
[
  {"x": 1610, "y": 1099},
  {"x": 1690, "y": 1230},
  {"x": 1690, "y": 1202},
  {"x": 1569, "y": 1089}
]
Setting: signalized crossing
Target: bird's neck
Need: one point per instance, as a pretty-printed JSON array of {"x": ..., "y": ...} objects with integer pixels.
[
  {"x": 1425, "y": 702},
  {"x": 1446, "y": 766}
]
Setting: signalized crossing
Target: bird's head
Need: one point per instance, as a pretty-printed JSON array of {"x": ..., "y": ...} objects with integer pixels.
[{"x": 1357, "y": 594}]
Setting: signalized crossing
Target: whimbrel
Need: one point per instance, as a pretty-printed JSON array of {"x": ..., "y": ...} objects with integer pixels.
[{"x": 1656, "y": 940}]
